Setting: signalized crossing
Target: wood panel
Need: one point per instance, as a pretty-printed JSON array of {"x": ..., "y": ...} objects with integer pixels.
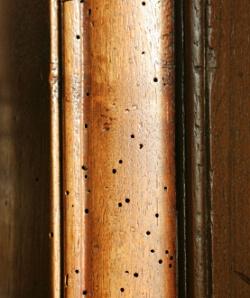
[
  {"x": 24, "y": 149},
  {"x": 230, "y": 147}
]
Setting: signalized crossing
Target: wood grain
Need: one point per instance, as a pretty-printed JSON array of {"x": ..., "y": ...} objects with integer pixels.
[
  {"x": 72, "y": 149},
  {"x": 217, "y": 147},
  {"x": 129, "y": 165},
  {"x": 55, "y": 150},
  {"x": 24, "y": 149},
  {"x": 230, "y": 146}
]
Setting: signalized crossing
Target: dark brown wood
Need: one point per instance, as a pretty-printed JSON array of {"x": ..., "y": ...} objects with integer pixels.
[
  {"x": 217, "y": 110},
  {"x": 24, "y": 149},
  {"x": 229, "y": 89},
  {"x": 197, "y": 149}
]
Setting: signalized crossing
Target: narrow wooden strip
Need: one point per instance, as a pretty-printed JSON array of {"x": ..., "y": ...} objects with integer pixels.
[
  {"x": 197, "y": 150},
  {"x": 72, "y": 149},
  {"x": 54, "y": 233}
]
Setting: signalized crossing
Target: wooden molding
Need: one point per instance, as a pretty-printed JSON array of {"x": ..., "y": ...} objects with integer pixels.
[{"x": 118, "y": 149}]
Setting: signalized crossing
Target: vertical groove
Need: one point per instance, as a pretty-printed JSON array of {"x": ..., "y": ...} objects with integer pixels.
[
  {"x": 55, "y": 153},
  {"x": 180, "y": 149}
]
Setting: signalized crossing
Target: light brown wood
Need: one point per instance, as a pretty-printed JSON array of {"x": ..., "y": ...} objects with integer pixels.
[
  {"x": 55, "y": 197},
  {"x": 129, "y": 160},
  {"x": 72, "y": 149}
]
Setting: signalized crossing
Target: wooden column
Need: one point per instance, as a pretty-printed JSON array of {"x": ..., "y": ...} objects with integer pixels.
[{"x": 129, "y": 165}]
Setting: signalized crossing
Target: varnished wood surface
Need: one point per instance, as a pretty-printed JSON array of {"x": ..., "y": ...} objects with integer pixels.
[
  {"x": 24, "y": 149},
  {"x": 217, "y": 148},
  {"x": 129, "y": 165},
  {"x": 230, "y": 146}
]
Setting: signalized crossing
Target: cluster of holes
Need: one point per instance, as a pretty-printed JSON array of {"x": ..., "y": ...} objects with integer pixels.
[
  {"x": 160, "y": 261},
  {"x": 127, "y": 200}
]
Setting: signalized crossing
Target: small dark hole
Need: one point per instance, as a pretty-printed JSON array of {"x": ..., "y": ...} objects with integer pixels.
[
  {"x": 86, "y": 211},
  {"x": 85, "y": 168},
  {"x": 78, "y": 37},
  {"x": 136, "y": 274},
  {"x": 84, "y": 292},
  {"x": 51, "y": 235},
  {"x": 143, "y": 3},
  {"x": 37, "y": 179},
  {"x": 155, "y": 80},
  {"x": 127, "y": 272},
  {"x": 66, "y": 192},
  {"x": 132, "y": 136},
  {"x": 122, "y": 289},
  {"x": 89, "y": 191},
  {"x": 160, "y": 261},
  {"x": 148, "y": 233},
  {"x": 152, "y": 250},
  {"x": 170, "y": 265},
  {"x": 120, "y": 161},
  {"x": 86, "y": 125},
  {"x": 157, "y": 215},
  {"x": 141, "y": 146},
  {"x": 77, "y": 271},
  {"x": 143, "y": 52},
  {"x": 90, "y": 11},
  {"x": 171, "y": 258},
  {"x": 127, "y": 200},
  {"x": 119, "y": 204},
  {"x": 88, "y": 94},
  {"x": 86, "y": 176},
  {"x": 114, "y": 171},
  {"x": 165, "y": 188},
  {"x": 166, "y": 252}
]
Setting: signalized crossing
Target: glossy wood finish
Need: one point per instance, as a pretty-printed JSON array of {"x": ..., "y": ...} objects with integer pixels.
[
  {"x": 129, "y": 165},
  {"x": 24, "y": 149}
]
